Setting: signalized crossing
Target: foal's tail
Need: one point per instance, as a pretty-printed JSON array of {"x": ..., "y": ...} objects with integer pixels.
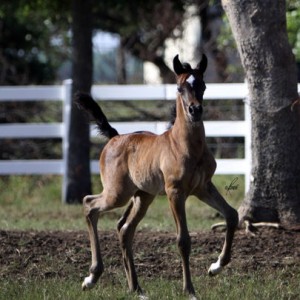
[{"x": 87, "y": 103}]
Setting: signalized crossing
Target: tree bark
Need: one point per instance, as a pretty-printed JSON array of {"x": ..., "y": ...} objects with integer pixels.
[
  {"x": 78, "y": 174},
  {"x": 166, "y": 73},
  {"x": 259, "y": 28}
]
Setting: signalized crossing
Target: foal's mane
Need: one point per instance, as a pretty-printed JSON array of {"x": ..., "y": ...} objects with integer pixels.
[{"x": 172, "y": 116}]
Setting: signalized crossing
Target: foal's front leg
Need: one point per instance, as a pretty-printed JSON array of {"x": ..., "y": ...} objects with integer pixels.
[
  {"x": 213, "y": 198},
  {"x": 177, "y": 204}
]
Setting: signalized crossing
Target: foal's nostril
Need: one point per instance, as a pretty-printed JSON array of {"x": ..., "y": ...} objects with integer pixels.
[
  {"x": 195, "y": 112},
  {"x": 195, "y": 109}
]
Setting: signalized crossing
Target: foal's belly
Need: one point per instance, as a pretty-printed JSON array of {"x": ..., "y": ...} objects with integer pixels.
[{"x": 152, "y": 183}]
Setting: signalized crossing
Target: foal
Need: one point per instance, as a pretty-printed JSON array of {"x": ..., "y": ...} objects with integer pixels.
[{"x": 139, "y": 166}]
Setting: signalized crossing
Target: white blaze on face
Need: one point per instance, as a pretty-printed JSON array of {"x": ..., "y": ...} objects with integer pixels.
[{"x": 190, "y": 80}]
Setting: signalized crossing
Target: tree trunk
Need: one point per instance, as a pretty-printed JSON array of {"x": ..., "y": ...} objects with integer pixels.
[
  {"x": 211, "y": 24},
  {"x": 78, "y": 174},
  {"x": 121, "y": 65},
  {"x": 166, "y": 73},
  {"x": 259, "y": 28}
]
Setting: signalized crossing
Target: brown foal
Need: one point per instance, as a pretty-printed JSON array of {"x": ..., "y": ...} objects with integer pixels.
[{"x": 139, "y": 166}]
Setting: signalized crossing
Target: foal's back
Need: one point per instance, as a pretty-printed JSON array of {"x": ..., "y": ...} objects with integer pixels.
[{"x": 136, "y": 160}]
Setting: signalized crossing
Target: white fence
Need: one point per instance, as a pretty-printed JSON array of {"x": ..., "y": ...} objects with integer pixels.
[{"x": 114, "y": 92}]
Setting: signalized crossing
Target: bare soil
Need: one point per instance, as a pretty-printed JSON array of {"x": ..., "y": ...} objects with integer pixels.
[{"x": 61, "y": 254}]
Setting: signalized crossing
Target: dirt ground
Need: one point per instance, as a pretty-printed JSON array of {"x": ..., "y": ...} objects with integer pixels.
[{"x": 29, "y": 254}]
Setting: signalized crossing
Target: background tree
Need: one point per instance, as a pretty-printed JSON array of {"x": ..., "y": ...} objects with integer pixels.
[
  {"x": 211, "y": 16},
  {"x": 259, "y": 28},
  {"x": 28, "y": 53},
  {"x": 78, "y": 182},
  {"x": 143, "y": 27}
]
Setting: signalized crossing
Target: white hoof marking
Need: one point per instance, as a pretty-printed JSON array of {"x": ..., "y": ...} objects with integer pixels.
[
  {"x": 215, "y": 268},
  {"x": 88, "y": 283}
]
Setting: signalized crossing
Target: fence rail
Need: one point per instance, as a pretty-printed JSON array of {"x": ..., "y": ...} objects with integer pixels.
[{"x": 111, "y": 93}]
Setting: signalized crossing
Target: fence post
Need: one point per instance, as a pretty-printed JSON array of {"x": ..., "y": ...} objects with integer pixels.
[
  {"x": 67, "y": 102},
  {"x": 248, "y": 154}
]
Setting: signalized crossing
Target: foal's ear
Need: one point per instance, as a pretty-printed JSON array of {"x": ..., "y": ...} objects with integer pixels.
[
  {"x": 177, "y": 66},
  {"x": 202, "y": 64}
]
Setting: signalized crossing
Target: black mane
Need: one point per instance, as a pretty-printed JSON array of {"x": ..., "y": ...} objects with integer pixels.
[{"x": 172, "y": 116}]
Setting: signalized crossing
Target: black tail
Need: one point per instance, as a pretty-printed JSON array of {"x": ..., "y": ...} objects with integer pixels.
[{"x": 87, "y": 103}]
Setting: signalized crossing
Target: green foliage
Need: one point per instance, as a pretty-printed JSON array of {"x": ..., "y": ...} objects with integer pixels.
[
  {"x": 227, "y": 43},
  {"x": 32, "y": 38},
  {"x": 134, "y": 16},
  {"x": 35, "y": 34},
  {"x": 293, "y": 26}
]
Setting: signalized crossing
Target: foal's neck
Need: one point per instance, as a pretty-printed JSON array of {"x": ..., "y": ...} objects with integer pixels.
[{"x": 189, "y": 134}]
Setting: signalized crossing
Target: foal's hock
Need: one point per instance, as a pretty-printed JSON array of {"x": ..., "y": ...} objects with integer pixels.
[{"x": 138, "y": 166}]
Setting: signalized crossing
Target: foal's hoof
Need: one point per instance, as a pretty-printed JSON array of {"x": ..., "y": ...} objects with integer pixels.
[
  {"x": 143, "y": 297},
  {"x": 215, "y": 268},
  {"x": 87, "y": 283}
]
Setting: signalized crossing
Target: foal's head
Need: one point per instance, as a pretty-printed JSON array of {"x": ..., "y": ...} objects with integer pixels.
[{"x": 191, "y": 87}]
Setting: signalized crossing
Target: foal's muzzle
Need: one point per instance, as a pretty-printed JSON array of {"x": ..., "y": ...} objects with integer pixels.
[{"x": 195, "y": 112}]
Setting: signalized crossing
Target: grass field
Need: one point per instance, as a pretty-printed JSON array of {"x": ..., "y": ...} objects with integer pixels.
[
  {"x": 34, "y": 203},
  {"x": 276, "y": 286}
]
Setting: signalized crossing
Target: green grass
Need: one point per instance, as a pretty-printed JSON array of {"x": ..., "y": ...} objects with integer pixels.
[
  {"x": 34, "y": 202},
  {"x": 281, "y": 284}
]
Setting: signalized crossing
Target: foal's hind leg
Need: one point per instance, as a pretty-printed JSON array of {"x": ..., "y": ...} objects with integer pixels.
[
  {"x": 93, "y": 205},
  {"x": 125, "y": 215},
  {"x": 213, "y": 198},
  {"x": 126, "y": 229}
]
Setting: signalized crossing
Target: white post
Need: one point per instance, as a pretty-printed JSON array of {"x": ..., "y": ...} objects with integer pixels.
[
  {"x": 67, "y": 102},
  {"x": 248, "y": 154}
]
